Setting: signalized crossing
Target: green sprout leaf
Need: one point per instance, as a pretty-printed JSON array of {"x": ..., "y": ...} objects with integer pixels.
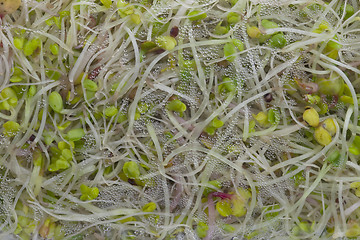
[
  {"x": 75, "y": 134},
  {"x": 269, "y": 24},
  {"x": 229, "y": 50},
  {"x": 106, "y": 3},
  {"x": 88, "y": 193},
  {"x": 196, "y": 15},
  {"x": 202, "y": 229},
  {"x": 278, "y": 41},
  {"x": 224, "y": 208},
  {"x": 176, "y": 105},
  {"x": 56, "y": 102},
  {"x": 166, "y": 42},
  {"x": 131, "y": 170},
  {"x": 110, "y": 111},
  {"x": 233, "y": 17},
  {"x": 11, "y": 128},
  {"x": 149, "y": 207}
]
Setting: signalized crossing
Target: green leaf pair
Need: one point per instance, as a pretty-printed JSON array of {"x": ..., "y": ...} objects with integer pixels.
[
  {"x": 9, "y": 99},
  {"x": 88, "y": 193},
  {"x": 214, "y": 124}
]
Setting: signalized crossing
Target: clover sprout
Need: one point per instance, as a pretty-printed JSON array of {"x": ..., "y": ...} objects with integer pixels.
[{"x": 186, "y": 119}]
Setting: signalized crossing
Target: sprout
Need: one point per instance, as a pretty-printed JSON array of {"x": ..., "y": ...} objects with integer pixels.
[
  {"x": 135, "y": 18},
  {"x": 125, "y": 8},
  {"x": 110, "y": 111},
  {"x": 215, "y": 123},
  {"x": 88, "y": 193},
  {"x": 16, "y": 79},
  {"x": 149, "y": 207},
  {"x": 353, "y": 230},
  {"x": 229, "y": 51},
  {"x": 11, "y": 128},
  {"x": 278, "y": 41},
  {"x": 268, "y": 24},
  {"x": 216, "y": 185},
  {"x": 347, "y": 99},
  {"x": 322, "y": 136},
  {"x": 75, "y": 134},
  {"x": 64, "y": 145},
  {"x": 31, "y": 91},
  {"x": 169, "y": 108},
  {"x": 253, "y": 32},
  {"x": 312, "y": 99},
  {"x": 166, "y": 42},
  {"x": 90, "y": 85},
  {"x": 304, "y": 226},
  {"x": 176, "y": 105},
  {"x": 220, "y": 30},
  {"x": 237, "y": 207},
  {"x": 56, "y": 102},
  {"x": 54, "y": 48},
  {"x": 331, "y": 86},
  {"x": 44, "y": 230},
  {"x": 356, "y": 186},
  {"x": 122, "y": 117},
  {"x": 227, "y": 86},
  {"x": 106, "y": 3},
  {"x": 349, "y": 10},
  {"x": 202, "y": 229},
  {"x": 61, "y": 156},
  {"x": 9, "y": 98},
  {"x": 273, "y": 116},
  {"x": 196, "y": 15},
  {"x": 224, "y": 208},
  {"x": 329, "y": 125},
  {"x": 131, "y": 170},
  {"x": 30, "y": 46},
  {"x": 334, "y": 158},
  {"x": 233, "y": 17},
  {"x": 19, "y": 43},
  {"x": 311, "y": 116},
  {"x": 332, "y": 48},
  {"x": 228, "y": 228},
  {"x": 262, "y": 119},
  {"x": 238, "y": 44},
  {"x": 355, "y": 146}
]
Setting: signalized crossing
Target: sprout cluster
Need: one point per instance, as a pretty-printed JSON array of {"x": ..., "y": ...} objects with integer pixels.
[{"x": 163, "y": 119}]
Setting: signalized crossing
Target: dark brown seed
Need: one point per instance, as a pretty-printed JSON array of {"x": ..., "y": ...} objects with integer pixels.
[
  {"x": 268, "y": 97},
  {"x": 224, "y": 63},
  {"x": 159, "y": 51},
  {"x": 173, "y": 97},
  {"x": 132, "y": 181},
  {"x": 32, "y": 138},
  {"x": 174, "y": 31},
  {"x": 132, "y": 93},
  {"x": 94, "y": 73}
]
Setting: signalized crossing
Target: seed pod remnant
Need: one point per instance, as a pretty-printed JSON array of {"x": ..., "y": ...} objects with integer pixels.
[
  {"x": 268, "y": 97},
  {"x": 174, "y": 31},
  {"x": 8, "y": 6}
]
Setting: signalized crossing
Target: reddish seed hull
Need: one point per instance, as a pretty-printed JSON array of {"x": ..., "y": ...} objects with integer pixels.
[{"x": 174, "y": 31}]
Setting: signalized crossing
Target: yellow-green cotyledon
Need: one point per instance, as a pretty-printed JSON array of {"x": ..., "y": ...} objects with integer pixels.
[{"x": 8, "y": 6}]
